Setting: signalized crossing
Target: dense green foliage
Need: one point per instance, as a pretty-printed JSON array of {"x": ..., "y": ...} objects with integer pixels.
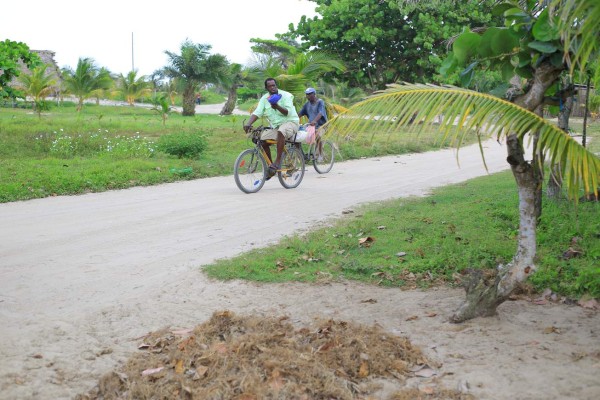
[
  {"x": 10, "y": 54},
  {"x": 433, "y": 240},
  {"x": 382, "y": 43},
  {"x": 182, "y": 145}
]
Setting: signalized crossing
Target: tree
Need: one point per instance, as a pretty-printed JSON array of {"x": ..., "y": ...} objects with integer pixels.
[
  {"x": 162, "y": 107},
  {"x": 528, "y": 45},
  {"x": 104, "y": 83},
  {"x": 304, "y": 70},
  {"x": 83, "y": 81},
  {"x": 382, "y": 43},
  {"x": 193, "y": 67},
  {"x": 133, "y": 87},
  {"x": 10, "y": 54},
  {"x": 237, "y": 77},
  {"x": 37, "y": 84}
]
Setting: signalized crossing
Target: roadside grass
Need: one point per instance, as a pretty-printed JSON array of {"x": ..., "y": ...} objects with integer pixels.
[
  {"x": 419, "y": 242},
  {"x": 114, "y": 147}
]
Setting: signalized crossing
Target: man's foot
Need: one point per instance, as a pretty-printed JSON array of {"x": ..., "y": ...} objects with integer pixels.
[{"x": 272, "y": 170}]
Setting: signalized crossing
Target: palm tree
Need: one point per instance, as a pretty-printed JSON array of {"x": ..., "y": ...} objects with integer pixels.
[
  {"x": 471, "y": 113},
  {"x": 195, "y": 66},
  {"x": 238, "y": 76},
  {"x": 83, "y": 81},
  {"x": 133, "y": 87},
  {"x": 304, "y": 70},
  {"x": 38, "y": 85},
  {"x": 104, "y": 82}
]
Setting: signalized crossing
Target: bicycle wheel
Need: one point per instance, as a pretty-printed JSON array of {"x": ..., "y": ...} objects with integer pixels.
[
  {"x": 249, "y": 171},
  {"x": 292, "y": 165},
  {"x": 323, "y": 160}
]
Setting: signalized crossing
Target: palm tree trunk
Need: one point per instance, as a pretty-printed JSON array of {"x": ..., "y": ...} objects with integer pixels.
[
  {"x": 485, "y": 292},
  {"x": 189, "y": 101},
  {"x": 229, "y": 105}
]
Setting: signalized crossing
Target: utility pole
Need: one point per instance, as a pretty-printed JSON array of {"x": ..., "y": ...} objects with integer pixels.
[{"x": 132, "y": 64}]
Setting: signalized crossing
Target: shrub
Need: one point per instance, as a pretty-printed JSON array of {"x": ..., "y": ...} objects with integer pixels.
[{"x": 182, "y": 145}]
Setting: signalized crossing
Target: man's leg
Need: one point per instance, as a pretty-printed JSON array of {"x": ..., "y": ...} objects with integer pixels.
[
  {"x": 267, "y": 148},
  {"x": 280, "y": 146}
]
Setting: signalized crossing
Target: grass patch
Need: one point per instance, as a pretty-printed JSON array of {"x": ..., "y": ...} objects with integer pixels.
[
  {"x": 419, "y": 242},
  {"x": 113, "y": 147}
]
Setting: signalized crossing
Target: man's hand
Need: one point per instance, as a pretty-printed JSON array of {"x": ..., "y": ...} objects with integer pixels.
[{"x": 247, "y": 128}]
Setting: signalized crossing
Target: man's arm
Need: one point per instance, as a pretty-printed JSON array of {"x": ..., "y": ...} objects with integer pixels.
[{"x": 248, "y": 125}]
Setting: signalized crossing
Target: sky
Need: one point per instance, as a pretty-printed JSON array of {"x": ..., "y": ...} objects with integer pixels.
[{"x": 125, "y": 33}]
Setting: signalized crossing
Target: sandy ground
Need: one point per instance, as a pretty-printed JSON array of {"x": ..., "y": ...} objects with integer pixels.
[{"x": 82, "y": 277}]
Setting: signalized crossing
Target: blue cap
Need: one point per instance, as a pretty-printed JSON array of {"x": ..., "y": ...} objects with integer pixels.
[{"x": 310, "y": 90}]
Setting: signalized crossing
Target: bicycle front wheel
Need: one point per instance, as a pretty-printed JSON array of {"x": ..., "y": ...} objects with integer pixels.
[
  {"x": 292, "y": 168},
  {"x": 324, "y": 156},
  {"x": 250, "y": 171}
]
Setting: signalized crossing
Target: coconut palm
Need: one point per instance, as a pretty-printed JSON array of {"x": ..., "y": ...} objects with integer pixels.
[
  {"x": 104, "y": 83},
  {"x": 133, "y": 87},
  {"x": 83, "y": 81},
  {"x": 470, "y": 113},
  {"x": 194, "y": 67},
  {"x": 38, "y": 85}
]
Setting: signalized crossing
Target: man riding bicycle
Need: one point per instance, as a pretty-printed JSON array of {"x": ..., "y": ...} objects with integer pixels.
[{"x": 278, "y": 107}]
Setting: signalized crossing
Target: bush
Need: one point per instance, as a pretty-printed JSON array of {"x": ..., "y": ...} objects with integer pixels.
[{"x": 182, "y": 145}]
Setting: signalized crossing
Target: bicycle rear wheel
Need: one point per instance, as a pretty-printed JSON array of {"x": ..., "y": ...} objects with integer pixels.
[
  {"x": 249, "y": 171},
  {"x": 292, "y": 165},
  {"x": 323, "y": 160}
]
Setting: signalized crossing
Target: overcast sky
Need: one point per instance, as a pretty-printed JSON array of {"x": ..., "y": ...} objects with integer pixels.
[{"x": 103, "y": 30}]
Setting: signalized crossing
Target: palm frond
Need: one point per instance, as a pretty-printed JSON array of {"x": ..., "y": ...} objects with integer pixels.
[{"x": 456, "y": 113}]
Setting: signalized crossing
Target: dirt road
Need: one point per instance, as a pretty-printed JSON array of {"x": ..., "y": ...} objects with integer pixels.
[{"x": 82, "y": 276}]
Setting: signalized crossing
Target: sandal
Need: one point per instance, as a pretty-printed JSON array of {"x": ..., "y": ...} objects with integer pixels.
[{"x": 271, "y": 171}]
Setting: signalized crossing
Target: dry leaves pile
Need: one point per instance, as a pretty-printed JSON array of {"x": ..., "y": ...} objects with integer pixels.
[{"x": 251, "y": 358}]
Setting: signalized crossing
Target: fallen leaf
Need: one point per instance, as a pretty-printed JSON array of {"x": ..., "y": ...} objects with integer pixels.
[
  {"x": 151, "y": 371},
  {"x": 179, "y": 367},
  {"x": 143, "y": 346},
  {"x": 201, "y": 370},
  {"x": 372, "y": 301},
  {"x": 363, "y": 371},
  {"x": 366, "y": 241},
  {"x": 381, "y": 227},
  {"x": 552, "y": 329},
  {"x": 401, "y": 254},
  {"x": 412, "y": 318},
  {"x": 431, "y": 314},
  {"x": 425, "y": 373},
  {"x": 182, "y": 332}
]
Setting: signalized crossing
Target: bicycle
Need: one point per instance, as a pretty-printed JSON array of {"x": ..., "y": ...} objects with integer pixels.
[
  {"x": 321, "y": 153},
  {"x": 250, "y": 170}
]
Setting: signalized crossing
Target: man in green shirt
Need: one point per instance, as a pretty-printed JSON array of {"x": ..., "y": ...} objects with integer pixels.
[{"x": 278, "y": 107}]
